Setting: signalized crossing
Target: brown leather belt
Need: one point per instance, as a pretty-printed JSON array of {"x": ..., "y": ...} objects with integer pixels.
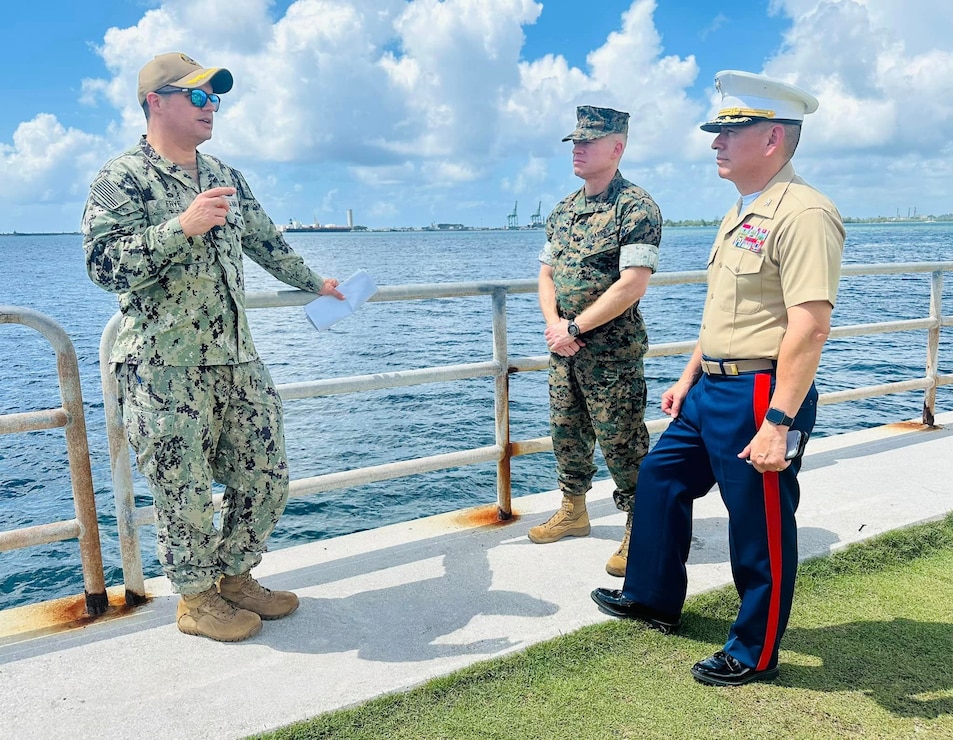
[{"x": 735, "y": 367}]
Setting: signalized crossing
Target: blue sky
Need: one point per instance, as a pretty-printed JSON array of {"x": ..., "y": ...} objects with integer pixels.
[{"x": 410, "y": 112}]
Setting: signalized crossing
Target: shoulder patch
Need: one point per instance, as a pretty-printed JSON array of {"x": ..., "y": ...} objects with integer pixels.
[{"x": 109, "y": 194}]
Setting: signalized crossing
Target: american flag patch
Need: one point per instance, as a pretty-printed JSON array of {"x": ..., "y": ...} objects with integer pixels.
[{"x": 109, "y": 194}]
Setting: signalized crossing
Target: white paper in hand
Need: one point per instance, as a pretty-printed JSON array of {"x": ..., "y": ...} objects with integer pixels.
[{"x": 327, "y": 310}]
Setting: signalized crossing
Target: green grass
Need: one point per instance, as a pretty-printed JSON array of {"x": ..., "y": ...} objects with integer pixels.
[{"x": 868, "y": 654}]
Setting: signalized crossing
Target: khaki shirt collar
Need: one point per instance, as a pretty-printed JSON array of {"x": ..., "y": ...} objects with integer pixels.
[{"x": 767, "y": 203}]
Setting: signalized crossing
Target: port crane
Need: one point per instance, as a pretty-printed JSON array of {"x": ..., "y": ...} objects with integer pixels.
[
  {"x": 536, "y": 220},
  {"x": 512, "y": 221}
]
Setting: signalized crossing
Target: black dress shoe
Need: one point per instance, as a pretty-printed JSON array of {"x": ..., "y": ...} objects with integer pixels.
[
  {"x": 613, "y": 602},
  {"x": 723, "y": 670}
]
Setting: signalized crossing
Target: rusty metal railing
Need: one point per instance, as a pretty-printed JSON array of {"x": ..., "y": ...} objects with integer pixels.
[
  {"x": 130, "y": 518},
  {"x": 70, "y": 416}
]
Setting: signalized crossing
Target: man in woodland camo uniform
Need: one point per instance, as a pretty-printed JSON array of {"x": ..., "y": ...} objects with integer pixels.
[
  {"x": 601, "y": 249},
  {"x": 165, "y": 227}
]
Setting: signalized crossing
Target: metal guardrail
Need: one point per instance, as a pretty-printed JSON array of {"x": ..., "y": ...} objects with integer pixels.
[
  {"x": 70, "y": 415},
  {"x": 130, "y": 517}
]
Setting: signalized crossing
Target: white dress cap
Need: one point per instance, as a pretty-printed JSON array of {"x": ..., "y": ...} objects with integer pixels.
[{"x": 747, "y": 98}]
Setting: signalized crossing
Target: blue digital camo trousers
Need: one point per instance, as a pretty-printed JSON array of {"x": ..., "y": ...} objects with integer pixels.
[
  {"x": 190, "y": 426},
  {"x": 592, "y": 398}
]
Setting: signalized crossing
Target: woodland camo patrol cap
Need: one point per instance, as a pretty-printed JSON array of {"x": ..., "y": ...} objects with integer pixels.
[
  {"x": 180, "y": 70},
  {"x": 593, "y": 123}
]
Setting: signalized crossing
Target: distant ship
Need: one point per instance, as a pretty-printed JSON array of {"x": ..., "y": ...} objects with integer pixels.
[{"x": 294, "y": 227}]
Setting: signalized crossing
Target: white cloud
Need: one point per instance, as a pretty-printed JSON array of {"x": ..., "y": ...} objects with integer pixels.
[
  {"x": 48, "y": 162},
  {"x": 384, "y": 210},
  {"x": 877, "y": 86},
  {"x": 329, "y": 202},
  {"x": 385, "y": 175},
  {"x": 531, "y": 176},
  {"x": 416, "y": 106},
  {"x": 445, "y": 173},
  {"x": 628, "y": 72},
  {"x": 883, "y": 73},
  {"x": 384, "y": 83},
  {"x": 924, "y": 23},
  {"x": 424, "y": 94}
]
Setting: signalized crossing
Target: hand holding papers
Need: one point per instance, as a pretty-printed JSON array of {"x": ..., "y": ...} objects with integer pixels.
[{"x": 327, "y": 310}]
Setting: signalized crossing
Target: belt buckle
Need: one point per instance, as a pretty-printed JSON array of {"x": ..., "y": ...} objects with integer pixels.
[{"x": 730, "y": 368}]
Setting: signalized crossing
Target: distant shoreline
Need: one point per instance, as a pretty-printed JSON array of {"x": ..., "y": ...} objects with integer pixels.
[
  {"x": 946, "y": 218},
  {"x": 700, "y": 222},
  {"x": 40, "y": 233}
]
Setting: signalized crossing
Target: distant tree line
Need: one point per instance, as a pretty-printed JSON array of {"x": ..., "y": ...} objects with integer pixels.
[
  {"x": 847, "y": 220},
  {"x": 887, "y": 219},
  {"x": 691, "y": 222}
]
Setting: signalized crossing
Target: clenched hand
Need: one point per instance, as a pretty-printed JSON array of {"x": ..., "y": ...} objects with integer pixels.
[{"x": 206, "y": 211}]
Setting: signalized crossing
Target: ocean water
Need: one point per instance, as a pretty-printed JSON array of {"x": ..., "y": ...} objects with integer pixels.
[{"x": 47, "y": 274}]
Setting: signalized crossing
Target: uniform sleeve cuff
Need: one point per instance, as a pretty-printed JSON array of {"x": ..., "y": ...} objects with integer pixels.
[
  {"x": 172, "y": 243},
  {"x": 546, "y": 254},
  {"x": 638, "y": 255}
]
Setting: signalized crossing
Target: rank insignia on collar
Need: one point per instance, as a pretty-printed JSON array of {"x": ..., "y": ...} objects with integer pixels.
[{"x": 751, "y": 238}]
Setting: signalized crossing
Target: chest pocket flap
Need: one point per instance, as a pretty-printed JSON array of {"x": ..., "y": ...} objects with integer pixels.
[{"x": 741, "y": 285}]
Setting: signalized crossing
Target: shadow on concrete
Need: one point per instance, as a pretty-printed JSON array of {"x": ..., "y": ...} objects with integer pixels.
[
  {"x": 872, "y": 448},
  {"x": 397, "y": 623},
  {"x": 710, "y": 535},
  {"x": 416, "y": 620}
]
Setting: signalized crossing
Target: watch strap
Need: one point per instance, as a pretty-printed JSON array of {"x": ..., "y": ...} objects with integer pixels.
[{"x": 778, "y": 417}]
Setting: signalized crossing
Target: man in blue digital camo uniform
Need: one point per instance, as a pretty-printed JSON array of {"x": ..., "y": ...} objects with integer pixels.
[
  {"x": 165, "y": 227},
  {"x": 772, "y": 282},
  {"x": 601, "y": 249}
]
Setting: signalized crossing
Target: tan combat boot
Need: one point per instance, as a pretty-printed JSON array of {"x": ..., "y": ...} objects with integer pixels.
[
  {"x": 246, "y": 593},
  {"x": 572, "y": 520},
  {"x": 616, "y": 564},
  {"x": 209, "y": 615}
]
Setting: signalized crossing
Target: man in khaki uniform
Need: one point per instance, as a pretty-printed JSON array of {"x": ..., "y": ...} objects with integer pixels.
[
  {"x": 165, "y": 227},
  {"x": 601, "y": 249},
  {"x": 772, "y": 281}
]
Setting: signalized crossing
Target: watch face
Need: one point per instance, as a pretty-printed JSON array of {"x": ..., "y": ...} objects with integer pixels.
[{"x": 573, "y": 329}]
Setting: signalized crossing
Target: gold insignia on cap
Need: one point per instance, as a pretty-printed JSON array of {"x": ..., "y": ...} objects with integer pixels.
[
  {"x": 747, "y": 98},
  {"x": 751, "y": 112},
  {"x": 197, "y": 79},
  {"x": 189, "y": 60}
]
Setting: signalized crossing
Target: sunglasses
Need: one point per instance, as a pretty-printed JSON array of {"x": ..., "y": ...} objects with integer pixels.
[{"x": 197, "y": 96}]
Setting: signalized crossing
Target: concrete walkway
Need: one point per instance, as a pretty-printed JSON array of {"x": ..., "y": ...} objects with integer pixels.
[{"x": 385, "y": 610}]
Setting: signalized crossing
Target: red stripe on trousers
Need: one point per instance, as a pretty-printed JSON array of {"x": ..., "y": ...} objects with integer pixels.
[{"x": 772, "y": 515}]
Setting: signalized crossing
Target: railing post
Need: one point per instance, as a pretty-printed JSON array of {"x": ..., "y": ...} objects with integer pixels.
[
  {"x": 126, "y": 525},
  {"x": 77, "y": 451},
  {"x": 84, "y": 500},
  {"x": 504, "y": 498},
  {"x": 933, "y": 346}
]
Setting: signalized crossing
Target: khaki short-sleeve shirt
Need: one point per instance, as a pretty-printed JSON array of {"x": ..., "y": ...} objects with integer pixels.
[{"x": 783, "y": 250}]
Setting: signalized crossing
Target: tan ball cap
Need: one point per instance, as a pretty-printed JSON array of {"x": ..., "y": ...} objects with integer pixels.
[{"x": 180, "y": 70}]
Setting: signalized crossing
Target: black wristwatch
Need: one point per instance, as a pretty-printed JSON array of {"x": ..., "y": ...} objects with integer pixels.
[
  {"x": 778, "y": 418},
  {"x": 573, "y": 328}
]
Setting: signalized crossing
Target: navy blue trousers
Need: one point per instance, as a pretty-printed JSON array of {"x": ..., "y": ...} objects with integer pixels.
[{"x": 718, "y": 418}]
